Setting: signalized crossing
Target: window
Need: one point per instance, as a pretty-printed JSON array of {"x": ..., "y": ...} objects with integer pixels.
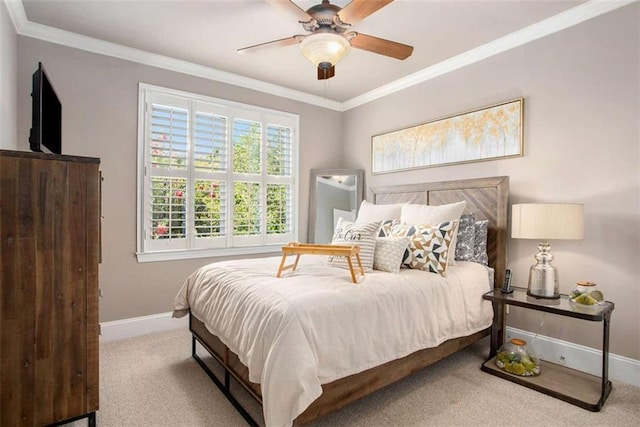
[{"x": 215, "y": 177}]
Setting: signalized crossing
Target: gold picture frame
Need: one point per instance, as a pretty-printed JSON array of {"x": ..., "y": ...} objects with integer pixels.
[{"x": 488, "y": 133}]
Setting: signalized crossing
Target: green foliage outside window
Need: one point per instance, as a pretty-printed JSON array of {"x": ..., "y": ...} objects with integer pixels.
[
  {"x": 247, "y": 209},
  {"x": 278, "y": 154},
  {"x": 168, "y": 211},
  {"x": 277, "y": 209},
  {"x": 247, "y": 139},
  {"x": 209, "y": 208}
]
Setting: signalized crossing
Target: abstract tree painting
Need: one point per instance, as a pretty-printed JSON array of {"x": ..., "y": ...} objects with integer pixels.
[{"x": 488, "y": 133}]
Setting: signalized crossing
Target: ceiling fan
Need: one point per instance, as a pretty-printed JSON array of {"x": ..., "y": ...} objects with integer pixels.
[{"x": 329, "y": 41}]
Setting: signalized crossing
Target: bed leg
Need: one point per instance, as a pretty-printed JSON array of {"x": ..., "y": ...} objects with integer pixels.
[
  {"x": 227, "y": 381},
  {"x": 224, "y": 388}
]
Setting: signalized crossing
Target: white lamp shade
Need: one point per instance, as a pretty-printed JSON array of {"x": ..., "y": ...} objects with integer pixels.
[
  {"x": 547, "y": 221},
  {"x": 325, "y": 47}
]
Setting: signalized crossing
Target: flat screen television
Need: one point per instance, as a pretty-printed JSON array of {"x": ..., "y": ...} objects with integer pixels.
[{"x": 46, "y": 115}]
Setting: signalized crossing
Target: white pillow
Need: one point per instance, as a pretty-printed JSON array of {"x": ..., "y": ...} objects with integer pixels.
[
  {"x": 369, "y": 212},
  {"x": 389, "y": 253},
  {"x": 363, "y": 235},
  {"x": 426, "y": 214}
]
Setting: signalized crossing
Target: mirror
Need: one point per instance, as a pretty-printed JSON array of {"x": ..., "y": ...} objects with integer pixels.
[{"x": 334, "y": 193}]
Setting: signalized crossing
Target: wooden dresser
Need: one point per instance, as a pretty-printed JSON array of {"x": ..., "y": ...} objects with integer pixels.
[{"x": 49, "y": 255}]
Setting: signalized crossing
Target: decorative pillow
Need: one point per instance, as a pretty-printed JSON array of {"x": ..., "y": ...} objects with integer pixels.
[
  {"x": 363, "y": 235},
  {"x": 370, "y": 212},
  {"x": 466, "y": 238},
  {"x": 428, "y": 214},
  {"x": 480, "y": 243},
  {"x": 386, "y": 226},
  {"x": 389, "y": 253},
  {"x": 429, "y": 246}
]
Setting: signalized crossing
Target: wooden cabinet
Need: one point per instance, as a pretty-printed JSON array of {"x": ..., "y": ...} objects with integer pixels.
[{"x": 49, "y": 255}]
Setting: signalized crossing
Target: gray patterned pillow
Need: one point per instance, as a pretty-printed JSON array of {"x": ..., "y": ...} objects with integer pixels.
[
  {"x": 480, "y": 243},
  {"x": 466, "y": 238},
  {"x": 429, "y": 245},
  {"x": 389, "y": 253}
]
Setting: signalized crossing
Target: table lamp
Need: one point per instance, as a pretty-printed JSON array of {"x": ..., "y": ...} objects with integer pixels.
[{"x": 546, "y": 221}]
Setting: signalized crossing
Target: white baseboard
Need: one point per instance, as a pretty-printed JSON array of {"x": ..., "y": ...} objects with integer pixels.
[
  {"x": 136, "y": 326},
  {"x": 572, "y": 355},
  {"x": 579, "y": 357}
]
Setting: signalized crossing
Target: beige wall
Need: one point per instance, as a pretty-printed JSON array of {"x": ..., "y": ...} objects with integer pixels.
[
  {"x": 582, "y": 137},
  {"x": 8, "y": 49},
  {"x": 99, "y": 97}
]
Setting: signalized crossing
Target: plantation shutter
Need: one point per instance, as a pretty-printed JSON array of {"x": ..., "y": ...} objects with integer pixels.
[
  {"x": 279, "y": 180},
  {"x": 248, "y": 207},
  {"x": 215, "y": 175},
  {"x": 167, "y": 164},
  {"x": 279, "y": 150},
  {"x": 210, "y": 175}
]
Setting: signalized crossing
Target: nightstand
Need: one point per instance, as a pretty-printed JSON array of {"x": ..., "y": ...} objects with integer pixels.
[{"x": 581, "y": 389}]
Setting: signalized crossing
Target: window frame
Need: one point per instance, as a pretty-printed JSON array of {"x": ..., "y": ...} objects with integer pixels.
[{"x": 233, "y": 245}]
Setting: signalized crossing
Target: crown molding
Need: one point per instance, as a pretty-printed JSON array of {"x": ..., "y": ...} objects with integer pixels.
[
  {"x": 17, "y": 14},
  {"x": 533, "y": 32},
  {"x": 556, "y": 23},
  {"x": 24, "y": 27}
]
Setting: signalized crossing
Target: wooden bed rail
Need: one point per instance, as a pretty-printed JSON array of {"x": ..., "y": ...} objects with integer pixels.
[{"x": 336, "y": 394}]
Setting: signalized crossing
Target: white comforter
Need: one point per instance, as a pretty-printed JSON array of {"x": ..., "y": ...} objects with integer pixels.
[{"x": 313, "y": 326}]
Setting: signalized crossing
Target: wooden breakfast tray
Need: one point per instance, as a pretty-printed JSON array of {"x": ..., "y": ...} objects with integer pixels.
[{"x": 298, "y": 249}]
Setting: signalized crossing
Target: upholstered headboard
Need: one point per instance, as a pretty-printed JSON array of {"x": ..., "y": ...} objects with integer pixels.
[{"x": 487, "y": 198}]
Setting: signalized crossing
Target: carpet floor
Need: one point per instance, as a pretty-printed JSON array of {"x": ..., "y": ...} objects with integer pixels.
[{"x": 153, "y": 381}]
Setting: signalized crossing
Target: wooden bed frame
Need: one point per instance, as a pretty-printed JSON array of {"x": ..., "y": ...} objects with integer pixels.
[{"x": 486, "y": 199}]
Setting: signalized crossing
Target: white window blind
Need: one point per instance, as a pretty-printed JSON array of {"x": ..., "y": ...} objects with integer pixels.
[
  {"x": 210, "y": 143},
  {"x": 216, "y": 177},
  {"x": 279, "y": 169},
  {"x": 279, "y": 150}
]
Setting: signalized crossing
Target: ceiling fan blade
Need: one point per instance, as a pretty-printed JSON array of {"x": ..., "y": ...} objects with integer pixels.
[
  {"x": 271, "y": 45},
  {"x": 357, "y": 10},
  {"x": 381, "y": 46},
  {"x": 291, "y": 8},
  {"x": 326, "y": 73}
]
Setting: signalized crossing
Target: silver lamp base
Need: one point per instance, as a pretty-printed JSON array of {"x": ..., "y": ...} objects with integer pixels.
[{"x": 543, "y": 277}]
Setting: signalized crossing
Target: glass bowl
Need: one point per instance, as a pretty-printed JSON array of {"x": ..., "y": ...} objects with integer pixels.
[
  {"x": 517, "y": 358},
  {"x": 586, "y": 294}
]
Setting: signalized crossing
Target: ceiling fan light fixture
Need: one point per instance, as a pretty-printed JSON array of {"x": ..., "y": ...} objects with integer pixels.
[{"x": 323, "y": 48}]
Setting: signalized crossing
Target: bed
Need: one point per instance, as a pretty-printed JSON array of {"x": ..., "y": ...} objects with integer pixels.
[{"x": 313, "y": 379}]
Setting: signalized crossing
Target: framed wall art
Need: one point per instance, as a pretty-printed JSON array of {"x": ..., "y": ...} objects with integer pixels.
[{"x": 485, "y": 134}]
